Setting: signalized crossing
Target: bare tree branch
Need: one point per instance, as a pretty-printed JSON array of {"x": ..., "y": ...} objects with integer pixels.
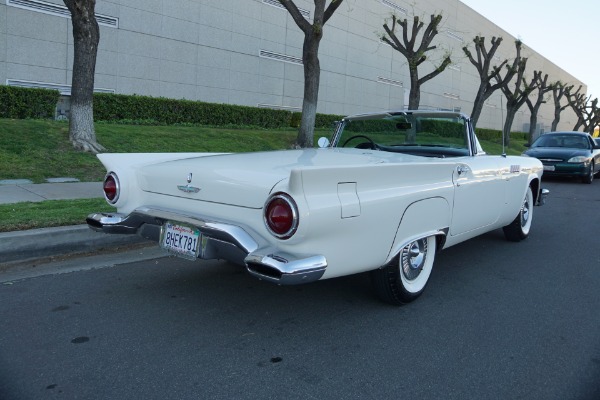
[
  {"x": 516, "y": 97},
  {"x": 488, "y": 72},
  {"x": 559, "y": 91},
  {"x": 415, "y": 56},
  {"x": 534, "y": 107}
]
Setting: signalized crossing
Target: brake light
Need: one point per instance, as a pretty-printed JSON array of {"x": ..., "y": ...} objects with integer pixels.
[
  {"x": 111, "y": 188},
  {"x": 281, "y": 216}
]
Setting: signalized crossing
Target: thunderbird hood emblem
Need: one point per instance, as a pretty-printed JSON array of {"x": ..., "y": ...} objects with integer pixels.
[{"x": 188, "y": 188}]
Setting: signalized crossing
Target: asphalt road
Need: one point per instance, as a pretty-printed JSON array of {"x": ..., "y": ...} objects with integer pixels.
[{"x": 499, "y": 320}]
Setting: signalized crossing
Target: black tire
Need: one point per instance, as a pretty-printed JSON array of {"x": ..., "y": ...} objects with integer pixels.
[
  {"x": 519, "y": 229},
  {"x": 406, "y": 276},
  {"x": 589, "y": 178}
]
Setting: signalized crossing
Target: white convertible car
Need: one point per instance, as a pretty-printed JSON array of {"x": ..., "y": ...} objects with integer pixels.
[{"x": 383, "y": 195}]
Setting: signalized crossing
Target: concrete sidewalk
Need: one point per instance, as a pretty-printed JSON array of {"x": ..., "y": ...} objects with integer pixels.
[
  {"x": 22, "y": 190},
  {"x": 34, "y": 244}
]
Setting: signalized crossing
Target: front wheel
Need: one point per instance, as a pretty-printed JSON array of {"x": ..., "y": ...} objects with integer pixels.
[
  {"x": 405, "y": 277},
  {"x": 519, "y": 228}
]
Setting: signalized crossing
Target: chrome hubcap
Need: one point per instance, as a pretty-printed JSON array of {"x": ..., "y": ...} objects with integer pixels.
[
  {"x": 412, "y": 259},
  {"x": 525, "y": 213}
]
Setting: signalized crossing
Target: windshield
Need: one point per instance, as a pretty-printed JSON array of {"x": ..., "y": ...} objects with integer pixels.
[
  {"x": 571, "y": 141},
  {"x": 426, "y": 134}
]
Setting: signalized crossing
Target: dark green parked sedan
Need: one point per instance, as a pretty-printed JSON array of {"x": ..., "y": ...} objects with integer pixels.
[{"x": 567, "y": 154}]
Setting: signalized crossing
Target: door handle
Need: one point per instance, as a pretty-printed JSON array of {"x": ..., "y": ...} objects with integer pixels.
[{"x": 462, "y": 169}]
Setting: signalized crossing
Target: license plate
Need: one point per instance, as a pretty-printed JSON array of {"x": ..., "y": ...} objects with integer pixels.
[
  {"x": 181, "y": 240},
  {"x": 548, "y": 167}
]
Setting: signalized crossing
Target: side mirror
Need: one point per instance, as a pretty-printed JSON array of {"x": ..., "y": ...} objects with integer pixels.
[
  {"x": 323, "y": 142},
  {"x": 526, "y": 145}
]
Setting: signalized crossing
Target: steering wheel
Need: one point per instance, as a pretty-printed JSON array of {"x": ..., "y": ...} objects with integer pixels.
[{"x": 371, "y": 143}]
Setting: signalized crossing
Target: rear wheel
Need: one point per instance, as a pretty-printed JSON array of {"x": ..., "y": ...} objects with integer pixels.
[
  {"x": 519, "y": 228},
  {"x": 405, "y": 277},
  {"x": 589, "y": 178}
]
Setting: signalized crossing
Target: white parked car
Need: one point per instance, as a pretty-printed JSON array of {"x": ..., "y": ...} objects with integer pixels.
[{"x": 383, "y": 195}]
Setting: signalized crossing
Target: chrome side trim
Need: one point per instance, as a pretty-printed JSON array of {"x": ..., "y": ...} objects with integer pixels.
[{"x": 440, "y": 234}]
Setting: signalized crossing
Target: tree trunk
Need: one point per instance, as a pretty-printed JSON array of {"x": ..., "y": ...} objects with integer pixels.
[
  {"x": 313, "y": 33},
  {"x": 511, "y": 112},
  {"x": 478, "y": 105},
  {"x": 532, "y": 126},
  {"x": 556, "y": 119},
  {"x": 86, "y": 36},
  {"x": 312, "y": 76},
  {"x": 414, "y": 96}
]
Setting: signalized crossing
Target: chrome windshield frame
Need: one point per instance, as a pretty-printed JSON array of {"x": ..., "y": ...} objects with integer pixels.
[{"x": 472, "y": 141}]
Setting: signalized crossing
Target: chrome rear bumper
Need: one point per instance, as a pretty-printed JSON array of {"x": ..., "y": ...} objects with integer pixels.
[{"x": 220, "y": 240}]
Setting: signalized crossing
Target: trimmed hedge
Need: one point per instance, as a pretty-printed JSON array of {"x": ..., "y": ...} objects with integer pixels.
[
  {"x": 22, "y": 103},
  {"x": 450, "y": 129},
  {"x": 158, "y": 110},
  {"x": 496, "y": 135}
]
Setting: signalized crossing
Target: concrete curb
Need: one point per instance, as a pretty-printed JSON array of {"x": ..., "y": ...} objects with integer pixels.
[{"x": 48, "y": 242}]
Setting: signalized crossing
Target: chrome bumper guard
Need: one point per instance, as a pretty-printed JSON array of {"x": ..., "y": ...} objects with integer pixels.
[
  {"x": 543, "y": 196},
  {"x": 220, "y": 241},
  {"x": 285, "y": 269}
]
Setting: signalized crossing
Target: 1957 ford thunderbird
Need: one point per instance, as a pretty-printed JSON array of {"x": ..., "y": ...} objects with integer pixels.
[{"x": 384, "y": 194}]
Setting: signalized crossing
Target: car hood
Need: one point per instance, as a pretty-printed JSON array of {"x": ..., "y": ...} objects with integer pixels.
[
  {"x": 246, "y": 179},
  {"x": 558, "y": 153}
]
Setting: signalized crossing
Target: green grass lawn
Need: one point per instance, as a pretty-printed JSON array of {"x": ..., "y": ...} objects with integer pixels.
[
  {"x": 40, "y": 149},
  {"x": 31, "y": 215}
]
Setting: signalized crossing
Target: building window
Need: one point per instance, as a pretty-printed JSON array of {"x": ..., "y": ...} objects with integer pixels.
[
  {"x": 279, "y": 107},
  {"x": 64, "y": 90},
  {"x": 276, "y": 3},
  {"x": 58, "y": 10},
  {"x": 452, "y": 96},
  {"x": 280, "y": 57},
  {"x": 388, "y": 81},
  {"x": 454, "y": 36},
  {"x": 394, "y": 6}
]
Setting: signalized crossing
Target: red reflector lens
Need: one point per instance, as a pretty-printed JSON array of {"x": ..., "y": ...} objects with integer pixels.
[
  {"x": 110, "y": 188},
  {"x": 281, "y": 217}
]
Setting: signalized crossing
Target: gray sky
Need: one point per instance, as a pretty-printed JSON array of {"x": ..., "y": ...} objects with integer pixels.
[{"x": 565, "y": 32}]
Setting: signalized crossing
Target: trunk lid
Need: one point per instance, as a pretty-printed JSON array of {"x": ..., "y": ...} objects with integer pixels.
[{"x": 245, "y": 179}]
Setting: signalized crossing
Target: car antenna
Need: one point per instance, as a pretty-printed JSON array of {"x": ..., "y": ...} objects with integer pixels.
[{"x": 502, "y": 124}]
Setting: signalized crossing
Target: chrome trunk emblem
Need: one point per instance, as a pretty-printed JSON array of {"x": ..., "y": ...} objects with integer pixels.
[{"x": 188, "y": 188}]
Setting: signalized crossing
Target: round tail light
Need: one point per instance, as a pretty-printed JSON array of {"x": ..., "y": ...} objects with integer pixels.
[
  {"x": 111, "y": 188},
  {"x": 281, "y": 216}
]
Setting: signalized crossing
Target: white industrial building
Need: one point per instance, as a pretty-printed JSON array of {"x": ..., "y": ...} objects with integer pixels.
[{"x": 248, "y": 52}]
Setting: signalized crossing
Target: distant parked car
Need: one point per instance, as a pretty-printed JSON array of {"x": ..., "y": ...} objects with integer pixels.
[
  {"x": 567, "y": 154},
  {"x": 383, "y": 194}
]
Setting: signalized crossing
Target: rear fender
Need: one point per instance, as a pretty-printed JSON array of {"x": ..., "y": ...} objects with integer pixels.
[{"x": 423, "y": 218}]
